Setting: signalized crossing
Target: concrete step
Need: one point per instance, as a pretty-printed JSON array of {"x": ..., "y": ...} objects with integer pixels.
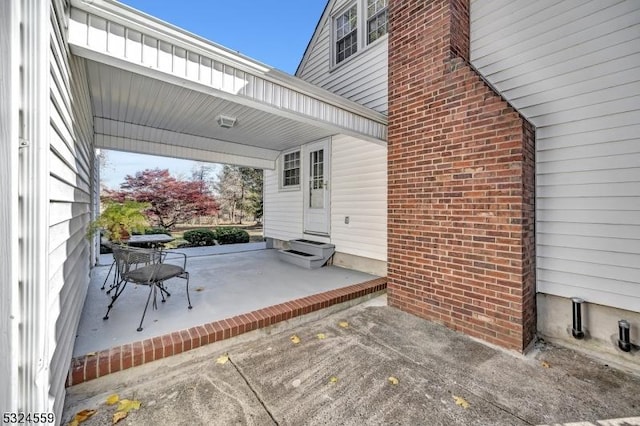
[
  {"x": 324, "y": 250},
  {"x": 307, "y": 253},
  {"x": 305, "y": 260}
]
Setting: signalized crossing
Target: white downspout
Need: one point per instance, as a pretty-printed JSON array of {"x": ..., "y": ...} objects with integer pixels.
[
  {"x": 9, "y": 145},
  {"x": 35, "y": 355}
]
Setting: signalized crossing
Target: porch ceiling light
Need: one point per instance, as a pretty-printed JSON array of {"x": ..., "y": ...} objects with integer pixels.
[{"x": 225, "y": 121}]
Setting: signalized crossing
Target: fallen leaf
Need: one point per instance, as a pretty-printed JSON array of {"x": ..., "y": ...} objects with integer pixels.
[
  {"x": 333, "y": 379},
  {"x": 199, "y": 289},
  {"x": 73, "y": 422},
  {"x": 343, "y": 324},
  {"x": 91, "y": 354},
  {"x": 222, "y": 359},
  {"x": 295, "y": 339},
  {"x": 119, "y": 415},
  {"x": 545, "y": 364},
  {"x": 393, "y": 380},
  {"x": 127, "y": 405},
  {"x": 321, "y": 336},
  {"x": 461, "y": 402},
  {"x": 112, "y": 399},
  {"x": 83, "y": 415}
]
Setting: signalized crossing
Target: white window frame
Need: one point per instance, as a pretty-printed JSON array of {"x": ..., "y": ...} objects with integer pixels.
[
  {"x": 334, "y": 31},
  {"x": 282, "y": 170},
  {"x": 376, "y": 14},
  {"x": 362, "y": 32}
]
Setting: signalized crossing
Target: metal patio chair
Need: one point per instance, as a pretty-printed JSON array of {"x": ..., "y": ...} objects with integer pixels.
[
  {"x": 147, "y": 267},
  {"x": 108, "y": 244}
]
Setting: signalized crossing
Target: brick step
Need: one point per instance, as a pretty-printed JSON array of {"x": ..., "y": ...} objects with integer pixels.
[{"x": 91, "y": 366}]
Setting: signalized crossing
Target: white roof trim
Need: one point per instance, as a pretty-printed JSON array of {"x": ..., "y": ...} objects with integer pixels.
[
  {"x": 109, "y": 32},
  {"x": 314, "y": 37},
  {"x": 139, "y": 146},
  {"x": 107, "y": 127}
]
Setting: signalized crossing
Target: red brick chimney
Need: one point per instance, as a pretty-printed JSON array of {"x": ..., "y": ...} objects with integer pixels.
[{"x": 461, "y": 183}]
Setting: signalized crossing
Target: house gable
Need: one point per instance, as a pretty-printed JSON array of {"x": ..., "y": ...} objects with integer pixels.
[{"x": 362, "y": 77}]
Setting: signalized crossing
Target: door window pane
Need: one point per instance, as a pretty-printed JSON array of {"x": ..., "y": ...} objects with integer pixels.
[{"x": 316, "y": 179}]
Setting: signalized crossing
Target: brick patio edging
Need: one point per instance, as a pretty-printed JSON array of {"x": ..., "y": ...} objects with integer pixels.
[{"x": 99, "y": 364}]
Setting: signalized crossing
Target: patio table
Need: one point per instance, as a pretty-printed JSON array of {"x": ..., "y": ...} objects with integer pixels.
[{"x": 149, "y": 240}]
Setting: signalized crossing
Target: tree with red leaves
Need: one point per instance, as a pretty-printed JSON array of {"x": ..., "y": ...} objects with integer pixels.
[{"x": 172, "y": 201}]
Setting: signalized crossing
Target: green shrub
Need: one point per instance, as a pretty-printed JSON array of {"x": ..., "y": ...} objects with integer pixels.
[
  {"x": 228, "y": 235},
  {"x": 200, "y": 237},
  {"x": 156, "y": 230}
]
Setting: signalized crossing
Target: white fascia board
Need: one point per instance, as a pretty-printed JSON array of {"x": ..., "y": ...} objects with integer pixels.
[
  {"x": 176, "y": 140},
  {"x": 125, "y": 144},
  {"x": 91, "y": 35},
  {"x": 129, "y": 17}
]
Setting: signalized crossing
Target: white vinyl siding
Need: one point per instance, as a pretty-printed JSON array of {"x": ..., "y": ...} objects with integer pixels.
[
  {"x": 70, "y": 187},
  {"x": 282, "y": 209},
  {"x": 573, "y": 69},
  {"x": 358, "y": 186},
  {"x": 362, "y": 78},
  {"x": 359, "y": 191}
]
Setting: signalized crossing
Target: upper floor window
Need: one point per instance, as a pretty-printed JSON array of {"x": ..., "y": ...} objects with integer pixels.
[
  {"x": 351, "y": 34},
  {"x": 376, "y": 19},
  {"x": 346, "y": 34},
  {"x": 291, "y": 169}
]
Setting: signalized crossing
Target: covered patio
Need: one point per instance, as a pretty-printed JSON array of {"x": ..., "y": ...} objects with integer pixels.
[
  {"x": 234, "y": 289},
  {"x": 157, "y": 89}
]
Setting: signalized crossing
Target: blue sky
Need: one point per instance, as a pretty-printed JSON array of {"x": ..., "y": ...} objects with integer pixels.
[{"x": 275, "y": 32}]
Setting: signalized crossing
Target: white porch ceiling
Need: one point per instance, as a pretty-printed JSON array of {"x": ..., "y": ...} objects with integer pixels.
[{"x": 156, "y": 89}]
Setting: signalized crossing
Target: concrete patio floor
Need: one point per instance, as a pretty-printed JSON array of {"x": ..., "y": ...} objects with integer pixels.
[
  {"x": 444, "y": 378},
  {"x": 225, "y": 281}
]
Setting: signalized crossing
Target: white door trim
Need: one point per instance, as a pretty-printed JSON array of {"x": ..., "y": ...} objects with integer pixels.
[{"x": 317, "y": 187}]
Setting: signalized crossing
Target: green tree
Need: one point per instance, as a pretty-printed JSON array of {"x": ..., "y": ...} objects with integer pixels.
[
  {"x": 253, "y": 182},
  {"x": 239, "y": 191}
]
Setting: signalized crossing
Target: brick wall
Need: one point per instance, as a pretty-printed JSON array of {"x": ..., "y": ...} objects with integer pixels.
[{"x": 461, "y": 168}]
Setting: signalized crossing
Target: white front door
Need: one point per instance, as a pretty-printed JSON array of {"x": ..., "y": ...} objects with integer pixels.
[{"x": 317, "y": 212}]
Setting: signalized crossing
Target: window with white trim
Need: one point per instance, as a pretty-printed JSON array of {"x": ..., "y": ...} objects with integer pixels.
[
  {"x": 291, "y": 169},
  {"x": 377, "y": 19},
  {"x": 351, "y": 34},
  {"x": 346, "y": 34}
]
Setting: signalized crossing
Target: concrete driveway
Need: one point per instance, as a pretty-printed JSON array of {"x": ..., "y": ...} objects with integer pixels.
[{"x": 443, "y": 378}]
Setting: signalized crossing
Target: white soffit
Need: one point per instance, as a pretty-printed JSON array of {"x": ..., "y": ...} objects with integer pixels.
[{"x": 153, "y": 82}]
